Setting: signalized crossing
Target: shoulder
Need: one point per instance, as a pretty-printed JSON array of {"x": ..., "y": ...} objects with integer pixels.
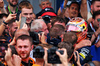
[{"x": 32, "y": 60}]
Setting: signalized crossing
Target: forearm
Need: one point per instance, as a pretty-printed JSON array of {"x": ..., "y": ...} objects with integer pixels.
[
  {"x": 84, "y": 9},
  {"x": 2, "y": 28},
  {"x": 65, "y": 2},
  {"x": 63, "y": 5},
  {"x": 65, "y": 64},
  {"x": 94, "y": 36}
]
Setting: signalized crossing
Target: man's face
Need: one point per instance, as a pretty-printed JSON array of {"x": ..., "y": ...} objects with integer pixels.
[
  {"x": 45, "y": 29},
  {"x": 13, "y": 2},
  {"x": 45, "y": 4},
  {"x": 95, "y": 22},
  {"x": 28, "y": 13},
  {"x": 95, "y": 6},
  {"x": 13, "y": 29},
  {"x": 23, "y": 48},
  {"x": 73, "y": 10}
]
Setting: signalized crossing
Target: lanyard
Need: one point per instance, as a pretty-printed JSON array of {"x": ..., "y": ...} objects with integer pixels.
[{"x": 10, "y": 10}]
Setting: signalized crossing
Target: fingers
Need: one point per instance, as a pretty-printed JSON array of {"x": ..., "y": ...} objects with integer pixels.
[
  {"x": 58, "y": 53},
  {"x": 64, "y": 52},
  {"x": 16, "y": 56},
  {"x": 13, "y": 16},
  {"x": 76, "y": 56},
  {"x": 39, "y": 36},
  {"x": 45, "y": 50},
  {"x": 10, "y": 17},
  {"x": 45, "y": 54}
]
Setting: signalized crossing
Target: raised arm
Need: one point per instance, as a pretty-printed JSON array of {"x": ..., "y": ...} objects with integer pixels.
[
  {"x": 63, "y": 5},
  {"x": 84, "y": 9},
  {"x": 8, "y": 19}
]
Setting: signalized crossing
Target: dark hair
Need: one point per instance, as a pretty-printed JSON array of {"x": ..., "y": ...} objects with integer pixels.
[
  {"x": 70, "y": 37},
  {"x": 56, "y": 31},
  {"x": 24, "y": 37},
  {"x": 96, "y": 13},
  {"x": 94, "y": 1},
  {"x": 59, "y": 19},
  {"x": 75, "y": 3},
  {"x": 68, "y": 46},
  {"x": 3, "y": 15}
]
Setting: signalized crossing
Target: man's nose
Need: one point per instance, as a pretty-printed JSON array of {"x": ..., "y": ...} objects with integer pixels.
[
  {"x": 23, "y": 49},
  {"x": 28, "y": 15}
]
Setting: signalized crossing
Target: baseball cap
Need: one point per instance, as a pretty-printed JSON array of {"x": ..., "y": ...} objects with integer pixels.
[{"x": 48, "y": 11}]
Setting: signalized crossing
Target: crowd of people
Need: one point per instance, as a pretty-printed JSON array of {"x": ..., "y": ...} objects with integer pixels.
[{"x": 69, "y": 37}]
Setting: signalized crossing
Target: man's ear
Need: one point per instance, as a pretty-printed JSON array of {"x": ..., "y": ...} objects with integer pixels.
[{"x": 32, "y": 47}]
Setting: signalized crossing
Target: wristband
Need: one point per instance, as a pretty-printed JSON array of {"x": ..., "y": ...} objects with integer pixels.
[{"x": 5, "y": 23}]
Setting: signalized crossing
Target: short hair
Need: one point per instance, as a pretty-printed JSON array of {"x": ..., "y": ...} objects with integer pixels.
[
  {"x": 68, "y": 46},
  {"x": 25, "y": 37},
  {"x": 59, "y": 19},
  {"x": 96, "y": 13},
  {"x": 11, "y": 24},
  {"x": 70, "y": 37},
  {"x": 56, "y": 31},
  {"x": 75, "y": 3},
  {"x": 36, "y": 25},
  {"x": 93, "y": 1},
  {"x": 25, "y": 4},
  {"x": 43, "y": 1}
]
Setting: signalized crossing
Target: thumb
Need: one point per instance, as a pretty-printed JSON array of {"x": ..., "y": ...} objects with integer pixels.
[{"x": 58, "y": 53}]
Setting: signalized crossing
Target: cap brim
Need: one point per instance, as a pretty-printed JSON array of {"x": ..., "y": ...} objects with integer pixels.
[{"x": 49, "y": 13}]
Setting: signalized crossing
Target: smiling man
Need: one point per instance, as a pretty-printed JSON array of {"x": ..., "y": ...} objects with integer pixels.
[
  {"x": 23, "y": 47},
  {"x": 12, "y": 7},
  {"x": 27, "y": 11}
]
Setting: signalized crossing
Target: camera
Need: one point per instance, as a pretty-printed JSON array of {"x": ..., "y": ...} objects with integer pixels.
[
  {"x": 84, "y": 54},
  {"x": 4, "y": 47},
  {"x": 38, "y": 52},
  {"x": 17, "y": 16},
  {"x": 35, "y": 37},
  {"x": 53, "y": 41},
  {"x": 13, "y": 50},
  {"x": 46, "y": 18},
  {"x": 53, "y": 57}
]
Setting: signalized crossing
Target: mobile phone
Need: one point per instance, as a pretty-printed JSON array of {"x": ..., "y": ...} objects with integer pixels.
[{"x": 23, "y": 20}]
